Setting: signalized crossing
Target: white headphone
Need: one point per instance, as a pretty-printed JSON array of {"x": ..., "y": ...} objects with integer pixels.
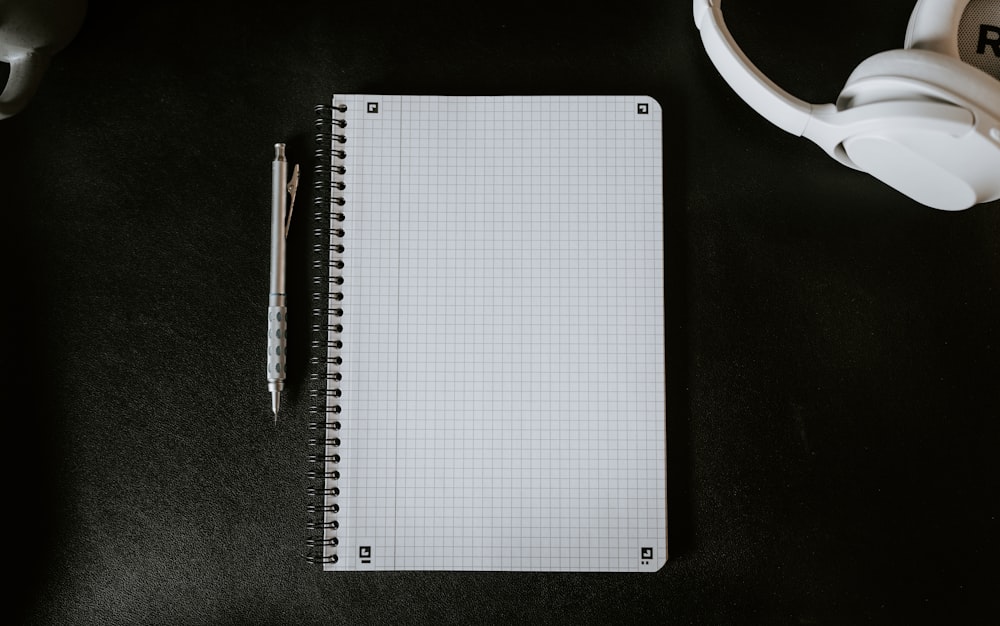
[{"x": 918, "y": 119}]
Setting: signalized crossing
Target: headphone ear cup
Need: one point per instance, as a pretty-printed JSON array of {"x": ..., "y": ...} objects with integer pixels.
[
  {"x": 920, "y": 75},
  {"x": 913, "y": 139}
]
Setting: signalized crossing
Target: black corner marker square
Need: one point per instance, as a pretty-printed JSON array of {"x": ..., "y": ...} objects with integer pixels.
[
  {"x": 365, "y": 552},
  {"x": 647, "y": 553},
  {"x": 373, "y": 107},
  {"x": 643, "y": 110}
]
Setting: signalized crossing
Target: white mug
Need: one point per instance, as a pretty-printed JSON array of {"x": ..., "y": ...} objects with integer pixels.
[{"x": 31, "y": 31}]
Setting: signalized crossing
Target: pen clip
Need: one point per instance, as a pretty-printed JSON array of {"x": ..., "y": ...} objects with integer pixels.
[{"x": 291, "y": 188}]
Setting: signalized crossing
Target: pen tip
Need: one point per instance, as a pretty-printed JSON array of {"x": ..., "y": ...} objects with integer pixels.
[{"x": 275, "y": 403}]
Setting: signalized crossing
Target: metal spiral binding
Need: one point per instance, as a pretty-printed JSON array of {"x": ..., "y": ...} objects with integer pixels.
[{"x": 324, "y": 393}]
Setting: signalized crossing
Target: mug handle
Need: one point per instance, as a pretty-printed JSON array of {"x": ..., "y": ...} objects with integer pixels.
[{"x": 26, "y": 73}]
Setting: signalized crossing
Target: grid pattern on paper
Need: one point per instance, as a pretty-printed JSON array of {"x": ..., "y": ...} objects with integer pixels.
[{"x": 503, "y": 342}]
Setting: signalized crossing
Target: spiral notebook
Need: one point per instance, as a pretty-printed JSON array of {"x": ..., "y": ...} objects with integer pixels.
[{"x": 490, "y": 335}]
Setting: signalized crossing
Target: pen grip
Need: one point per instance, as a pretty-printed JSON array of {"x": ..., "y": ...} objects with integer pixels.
[{"x": 276, "y": 342}]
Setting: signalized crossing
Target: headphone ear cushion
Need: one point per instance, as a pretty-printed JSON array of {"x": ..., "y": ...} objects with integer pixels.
[
  {"x": 968, "y": 30},
  {"x": 920, "y": 74},
  {"x": 933, "y": 25}
]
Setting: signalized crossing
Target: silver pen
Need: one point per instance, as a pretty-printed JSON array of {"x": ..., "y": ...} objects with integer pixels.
[{"x": 277, "y": 328}]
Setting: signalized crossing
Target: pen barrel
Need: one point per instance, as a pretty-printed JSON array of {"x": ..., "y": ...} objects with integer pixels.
[
  {"x": 276, "y": 317},
  {"x": 279, "y": 209},
  {"x": 277, "y": 338}
]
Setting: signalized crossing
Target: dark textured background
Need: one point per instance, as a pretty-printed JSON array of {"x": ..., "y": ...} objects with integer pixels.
[{"x": 833, "y": 347}]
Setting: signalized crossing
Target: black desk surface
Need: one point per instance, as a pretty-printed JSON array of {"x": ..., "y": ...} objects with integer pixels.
[{"x": 833, "y": 348}]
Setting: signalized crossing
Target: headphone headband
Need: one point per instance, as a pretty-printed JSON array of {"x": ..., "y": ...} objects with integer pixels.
[{"x": 769, "y": 100}]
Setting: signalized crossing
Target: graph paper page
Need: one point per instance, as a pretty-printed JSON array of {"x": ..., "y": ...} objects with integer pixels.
[{"x": 503, "y": 390}]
